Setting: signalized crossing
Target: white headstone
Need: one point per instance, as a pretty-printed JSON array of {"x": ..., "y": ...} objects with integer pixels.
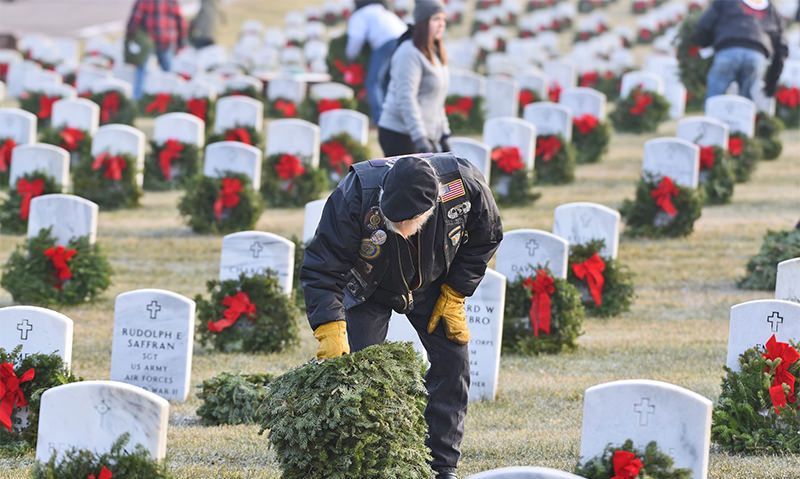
[
  {"x": 584, "y": 101},
  {"x": 401, "y": 330},
  {"x": 238, "y": 111},
  {"x": 485, "y": 310},
  {"x": 69, "y": 217},
  {"x": 38, "y": 330},
  {"x": 473, "y": 151},
  {"x": 336, "y": 122},
  {"x": 549, "y": 119},
  {"x": 18, "y": 125},
  {"x": 243, "y": 82},
  {"x": 673, "y": 157},
  {"x": 560, "y": 74},
  {"x": 522, "y": 472},
  {"x": 466, "y": 83},
  {"x": 256, "y": 252},
  {"x": 754, "y": 322},
  {"x": 647, "y": 81},
  {"x": 311, "y": 217},
  {"x": 580, "y": 223},
  {"x": 675, "y": 93},
  {"x": 121, "y": 140},
  {"x": 787, "y": 285},
  {"x": 235, "y": 157},
  {"x": 79, "y": 113},
  {"x": 502, "y": 132},
  {"x": 502, "y": 98},
  {"x": 737, "y": 112},
  {"x": 182, "y": 127},
  {"x": 523, "y": 251},
  {"x": 704, "y": 131},
  {"x": 296, "y": 137},
  {"x": 48, "y": 159},
  {"x": 330, "y": 91},
  {"x": 286, "y": 89},
  {"x": 791, "y": 73}
]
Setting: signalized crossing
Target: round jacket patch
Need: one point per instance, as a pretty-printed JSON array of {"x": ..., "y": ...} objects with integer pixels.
[{"x": 369, "y": 250}]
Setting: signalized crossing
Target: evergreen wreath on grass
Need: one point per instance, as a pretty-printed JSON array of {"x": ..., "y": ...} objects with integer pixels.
[
  {"x": 606, "y": 82},
  {"x": 757, "y": 411},
  {"x": 121, "y": 462},
  {"x": 287, "y": 181},
  {"x": 170, "y": 165},
  {"x": 76, "y": 141},
  {"x": 7, "y": 146},
  {"x": 606, "y": 286},
  {"x": 351, "y": 74},
  {"x": 202, "y": 108},
  {"x": 511, "y": 179},
  {"x": 115, "y": 107},
  {"x": 645, "y": 36},
  {"x": 282, "y": 108},
  {"x": 35, "y": 374},
  {"x": 744, "y": 154},
  {"x": 221, "y": 205},
  {"x": 662, "y": 209},
  {"x": 549, "y": 326},
  {"x": 716, "y": 175},
  {"x": 465, "y": 114},
  {"x": 627, "y": 462},
  {"x": 360, "y": 415},
  {"x": 159, "y": 104},
  {"x": 693, "y": 68},
  {"x": 338, "y": 153},
  {"x": 313, "y": 107},
  {"x": 249, "y": 91},
  {"x": 762, "y": 268},
  {"x": 232, "y": 399},
  {"x": 768, "y": 134},
  {"x": 41, "y": 105},
  {"x": 787, "y": 105},
  {"x": 590, "y": 138},
  {"x": 16, "y": 208},
  {"x": 40, "y": 273},
  {"x": 242, "y": 133},
  {"x": 554, "y": 161},
  {"x": 640, "y": 112},
  {"x": 109, "y": 180}
]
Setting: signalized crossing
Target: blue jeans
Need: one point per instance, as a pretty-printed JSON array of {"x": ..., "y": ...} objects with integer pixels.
[
  {"x": 164, "y": 60},
  {"x": 378, "y": 63},
  {"x": 744, "y": 66}
]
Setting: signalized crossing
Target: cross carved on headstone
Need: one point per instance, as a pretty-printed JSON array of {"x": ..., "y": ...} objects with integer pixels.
[
  {"x": 256, "y": 248},
  {"x": 102, "y": 408},
  {"x": 775, "y": 320},
  {"x": 24, "y": 328},
  {"x": 154, "y": 308},
  {"x": 644, "y": 409},
  {"x": 532, "y": 246}
]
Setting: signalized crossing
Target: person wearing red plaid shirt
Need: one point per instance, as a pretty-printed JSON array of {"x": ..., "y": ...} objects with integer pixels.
[{"x": 164, "y": 23}]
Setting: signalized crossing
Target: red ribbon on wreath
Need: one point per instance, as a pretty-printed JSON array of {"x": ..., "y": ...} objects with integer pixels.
[
  {"x": 59, "y": 258},
  {"x": 788, "y": 97},
  {"x": 197, "y": 107},
  {"x": 589, "y": 79},
  {"x": 462, "y": 107},
  {"x": 110, "y": 106},
  {"x": 159, "y": 104},
  {"x": 289, "y": 167},
  {"x": 735, "y": 145},
  {"x": 352, "y": 74},
  {"x": 694, "y": 51},
  {"x": 105, "y": 473},
  {"x": 240, "y": 135},
  {"x": 642, "y": 101},
  {"x": 591, "y": 271},
  {"x": 228, "y": 196},
  {"x": 508, "y": 159},
  {"x": 547, "y": 147},
  {"x": 114, "y": 165},
  {"x": 3, "y": 71},
  {"x": 6, "y": 148},
  {"x": 70, "y": 138},
  {"x": 338, "y": 157},
  {"x": 27, "y": 191},
  {"x": 11, "y": 396},
  {"x": 46, "y": 106},
  {"x": 706, "y": 157},
  {"x": 626, "y": 465},
  {"x": 645, "y": 34},
  {"x": 526, "y": 97},
  {"x": 585, "y": 124},
  {"x": 237, "y": 305},
  {"x": 286, "y": 108},
  {"x": 542, "y": 289},
  {"x": 170, "y": 152},
  {"x": 788, "y": 356},
  {"x": 663, "y": 194},
  {"x": 554, "y": 92},
  {"x": 326, "y": 104}
]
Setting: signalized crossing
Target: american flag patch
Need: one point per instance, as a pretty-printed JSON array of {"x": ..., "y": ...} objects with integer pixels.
[{"x": 451, "y": 191}]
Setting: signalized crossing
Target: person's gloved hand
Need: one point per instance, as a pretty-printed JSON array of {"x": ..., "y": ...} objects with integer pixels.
[
  {"x": 444, "y": 142},
  {"x": 424, "y": 145},
  {"x": 332, "y": 339},
  {"x": 450, "y": 307}
]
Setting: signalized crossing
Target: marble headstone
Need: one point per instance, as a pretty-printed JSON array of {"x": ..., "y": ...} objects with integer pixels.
[
  {"x": 296, "y": 137},
  {"x": 485, "y": 318},
  {"x": 584, "y": 101},
  {"x": 80, "y": 113},
  {"x": 121, "y": 139},
  {"x": 256, "y": 253},
  {"x": 68, "y": 216},
  {"x": 534, "y": 81},
  {"x": 673, "y": 157},
  {"x": 473, "y": 151},
  {"x": 704, "y": 131},
  {"x": 238, "y": 111},
  {"x": 754, "y": 322},
  {"x": 337, "y": 122},
  {"x": 311, "y": 216},
  {"x": 235, "y": 157},
  {"x": 523, "y": 251},
  {"x": 647, "y": 81},
  {"x": 182, "y": 127},
  {"x": 503, "y": 132},
  {"x": 550, "y": 119},
  {"x": 287, "y": 89},
  {"x": 582, "y": 222},
  {"x": 18, "y": 125},
  {"x": 522, "y": 472},
  {"x": 330, "y": 91},
  {"x": 401, "y": 330},
  {"x": 50, "y": 160},
  {"x": 38, "y": 330},
  {"x": 787, "y": 285},
  {"x": 737, "y": 112},
  {"x": 502, "y": 98},
  {"x": 466, "y": 83}
]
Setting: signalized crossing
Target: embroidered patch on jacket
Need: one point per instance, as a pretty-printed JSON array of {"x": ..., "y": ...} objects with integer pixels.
[
  {"x": 455, "y": 235},
  {"x": 369, "y": 250},
  {"x": 452, "y": 190}
]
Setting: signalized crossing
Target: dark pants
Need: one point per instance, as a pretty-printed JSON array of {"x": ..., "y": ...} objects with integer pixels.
[
  {"x": 447, "y": 380},
  {"x": 395, "y": 144}
]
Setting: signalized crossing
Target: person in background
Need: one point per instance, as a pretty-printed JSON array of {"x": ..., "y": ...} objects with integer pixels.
[
  {"x": 413, "y": 118},
  {"x": 203, "y": 28},
  {"x": 747, "y": 36},
  {"x": 373, "y": 23},
  {"x": 164, "y": 24}
]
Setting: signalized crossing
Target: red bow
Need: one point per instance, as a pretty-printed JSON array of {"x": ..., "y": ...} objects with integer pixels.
[
  {"x": 645, "y": 34},
  {"x": 239, "y": 134},
  {"x": 788, "y": 356},
  {"x": 353, "y": 74},
  {"x": 28, "y": 190},
  {"x": 46, "y": 106},
  {"x": 586, "y": 123},
  {"x": 59, "y": 257},
  {"x": 5, "y": 154},
  {"x": 3, "y": 71},
  {"x": 626, "y": 465},
  {"x": 11, "y": 396},
  {"x": 170, "y": 152},
  {"x": 114, "y": 165},
  {"x": 508, "y": 159},
  {"x": 526, "y": 97},
  {"x": 589, "y": 79},
  {"x": 706, "y": 157},
  {"x": 197, "y": 107},
  {"x": 541, "y": 288},
  {"x": 228, "y": 196},
  {"x": 643, "y": 100},
  {"x": 110, "y": 106},
  {"x": 461, "y": 106},
  {"x": 325, "y": 104},
  {"x": 547, "y": 147},
  {"x": 554, "y": 92},
  {"x": 338, "y": 156},
  {"x": 289, "y": 167},
  {"x": 694, "y": 51},
  {"x": 788, "y": 96},
  {"x": 70, "y": 137},
  {"x": 736, "y": 145},
  {"x": 663, "y": 194},
  {"x": 105, "y": 473},
  {"x": 159, "y": 104},
  {"x": 237, "y": 304},
  {"x": 286, "y": 108},
  {"x": 591, "y": 271}
]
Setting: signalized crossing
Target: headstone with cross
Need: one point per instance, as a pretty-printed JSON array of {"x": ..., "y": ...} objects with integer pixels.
[
  {"x": 523, "y": 251},
  {"x": 787, "y": 285},
  {"x": 257, "y": 253},
  {"x": 152, "y": 343},
  {"x": 582, "y": 222},
  {"x": 645, "y": 411},
  {"x": 754, "y": 322},
  {"x": 678, "y": 159}
]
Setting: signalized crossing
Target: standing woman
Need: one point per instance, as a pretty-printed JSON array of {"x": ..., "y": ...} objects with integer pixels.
[{"x": 413, "y": 118}]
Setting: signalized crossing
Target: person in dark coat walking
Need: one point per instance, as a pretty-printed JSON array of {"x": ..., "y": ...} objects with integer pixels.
[{"x": 411, "y": 234}]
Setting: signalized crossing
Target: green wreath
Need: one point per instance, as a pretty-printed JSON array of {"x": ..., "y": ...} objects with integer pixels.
[
  {"x": 693, "y": 68},
  {"x": 11, "y": 219},
  {"x": 465, "y": 114},
  {"x": 184, "y": 166},
  {"x": 351, "y": 74},
  {"x": 777, "y": 246},
  {"x": 272, "y": 327},
  {"x": 31, "y": 278},
  {"x": 244, "y": 134},
  {"x": 519, "y": 181},
  {"x": 49, "y": 372},
  {"x": 618, "y": 290},
  {"x": 655, "y": 464},
  {"x": 81, "y": 148},
  {"x": 310, "y": 107},
  {"x": 283, "y": 108},
  {"x": 203, "y": 193},
  {"x": 232, "y": 399},
  {"x": 295, "y": 191},
  {"x": 122, "y": 111},
  {"x": 633, "y": 114},
  {"x": 645, "y": 218},
  {"x": 156, "y": 105},
  {"x": 249, "y": 91},
  {"x": 566, "y": 320},
  {"x": 768, "y": 134},
  {"x": 335, "y": 167},
  {"x": 95, "y": 181},
  {"x": 31, "y": 102},
  {"x": 607, "y": 83},
  {"x": 560, "y": 167},
  {"x": 744, "y": 154},
  {"x": 4, "y": 175},
  {"x": 592, "y": 145},
  {"x": 787, "y": 105},
  {"x": 526, "y": 97},
  {"x": 744, "y": 419},
  {"x": 719, "y": 180}
]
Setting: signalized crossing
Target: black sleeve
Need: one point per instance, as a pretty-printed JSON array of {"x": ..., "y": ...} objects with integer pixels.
[
  {"x": 485, "y": 231},
  {"x": 332, "y": 253},
  {"x": 704, "y": 31}
]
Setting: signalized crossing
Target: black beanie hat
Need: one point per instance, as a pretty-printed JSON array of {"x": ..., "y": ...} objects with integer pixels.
[{"x": 410, "y": 188}]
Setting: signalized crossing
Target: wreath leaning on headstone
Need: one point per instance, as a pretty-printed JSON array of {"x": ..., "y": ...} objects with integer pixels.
[
  {"x": 338, "y": 153},
  {"x": 351, "y": 74},
  {"x": 787, "y": 105},
  {"x": 26, "y": 378},
  {"x": 243, "y": 134},
  {"x": 693, "y": 67},
  {"x": 543, "y": 314},
  {"x": 202, "y": 108},
  {"x": 249, "y": 91},
  {"x": 312, "y": 107},
  {"x": 41, "y": 273},
  {"x": 627, "y": 462},
  {"x": 249, "y": 314},
  {"x": 15, "y": 210},
  {"x": 554, "y": 160},
  {"x": 716, "y": 175},
  {"x": 768, "y": 134},
  {"x": 511, "y": 179},
  {"x": 761, "y": 269},
  {"x": 282, "y": 108},
  {"x": 115, "y": 107},
  {"x": 170, "y": 165},
  {"x": 221, "y": 205},
  {"x": 287, "y": 181},
  {"x": 76, "y": 141},
  {"x": 465, "y": 114},
  {"x": 606, "y": 286},
  {"x": 590, "y": 138},
  {"x": 606, "y": 82},
  {"x": 757, "y": 411},
  {"x": 109, "y": 180},
  {"x": 526, "y": 97},
  {"x": 7, "y": 146},
  {"x": 744, "y": 154},
  {"x": 40, "y": 104},
  {"x": 662, "y": 209},
  {"x": 232, "y": 398},
  {"x": 641, "y": 111},
  {"x": 159, "y": 104}
]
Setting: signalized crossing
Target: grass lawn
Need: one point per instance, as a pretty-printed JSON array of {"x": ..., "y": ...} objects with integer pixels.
[{"x": 676, "y": 331}]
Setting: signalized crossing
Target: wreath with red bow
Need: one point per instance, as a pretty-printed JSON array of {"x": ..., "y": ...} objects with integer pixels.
[
  {"x": 241, "y": 133},
  {"x": 693, "y": 68},
  {"x": 159, "y": 104},
  {"x": 590, "y": 138},
  {"x": 662, "y": 209},
  {"x": 282, "y": 108},
  {"x": 41, "y": 273},
  {"x": 352, "y": 74},
  {"x": 787, "y": 105},
  {"x": 642, "y": 111},
  {"x": 716, "y": 175},
  {"x": 76, "y": 141},
  {"x": 533, "y": 5},
  {"x": 757, "y": 411},
  {"x": 108, "y": 179},
  {"x": 628, "y": 462},
  {"x": 606, "y": 82},
  {"x": 768, "y": 135},
  {"x": 287, "y": 181},
  {"x": 744, "y": 154},
  {"x": 115, "y": 107},
  {"x": 221, "y": 205},
  {"x": 543, "y": 314},
  {"x": 338, "y": 153},
  {"x": 465, "y": 114},
  {"x": 7, "y": 146},
  {"x": 606, "y": 286},
  {"x": 202, "y": 108},
  {"x": 511, "y": 179},
  {"x": 16, "y": 208},
  {"x": 640, "y": 7},
  {"x": 554, "y": 161},
  {"x": 248, "y": 314},
  {"x": 40, "y": 104},
  {"x": 313, "y": 107},
  {"x": 526, "y": 97},
  {"x": 170, "y": 165}
]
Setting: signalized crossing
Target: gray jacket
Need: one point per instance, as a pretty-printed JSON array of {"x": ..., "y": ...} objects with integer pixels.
[
  {"x": 205, "y": 23},
  {"x": 414, "y": 103}
]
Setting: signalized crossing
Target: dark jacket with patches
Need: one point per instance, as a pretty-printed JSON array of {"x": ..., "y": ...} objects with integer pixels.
[
  {"x": 731, "y": 23},
  {"x": 354, "y": 257}
]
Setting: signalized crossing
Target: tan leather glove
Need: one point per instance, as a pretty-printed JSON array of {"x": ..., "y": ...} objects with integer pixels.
[
  {"x": 332, "y": 339},
  {"x": 450, "y": 307}
]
